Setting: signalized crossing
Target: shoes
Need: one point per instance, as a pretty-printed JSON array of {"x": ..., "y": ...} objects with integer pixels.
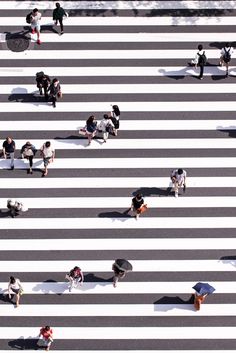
[
  {"x": 200, "y": 78},
  {"x": 114, "y": 284},
  {"x": 33, "y": 31},
  {"x": 12, "y": 167},
  {"x": 30, "y": 171},
  {"x": 105, "y": 141},
  {"x": 227, "y": 74},
  {"x": 54, "y": 105},
  {"x": 62, "y": 32},
  {"x": 43, "y": 175},
  {"x": 39, "y": 42},
  {"x": 137, "y": 217}
]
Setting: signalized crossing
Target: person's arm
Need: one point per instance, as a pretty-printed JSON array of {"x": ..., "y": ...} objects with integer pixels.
[
  {"x": 14, "y": 145},
  {"x": 4, "y": 152},
  {"x": 53, "y": 155},
  {"x": 82, "y": 276},
  {"x": 54, "y": 15},
  {"x": 9, "y": 290}
]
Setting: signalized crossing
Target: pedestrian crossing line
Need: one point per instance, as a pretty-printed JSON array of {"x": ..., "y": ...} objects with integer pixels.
[
  {"x": 117, "y": 244},
  {"x": 114, "y": 183},
  {"x": 124, "y": 202},
  {"x": 119, "y": 223},
  {"x": 96, "y": 288},
  {"x": 101, "y": 21},
  {"x": 132, "y": 163},
  {"x": 113, "y": 71},
  {"x": 185, "y": 54},
  {"x": 129, "y": 125},
  {"x": 134, "y": 351},
  {"x": 105, "y": 266},
  {"x": 185, "y": 106},
  {"x": 125, "y": 88},
  {"x": 45, "y": 5},
  {"x": 134, "y": 144},
  {"x": 122, "y": 333},
  {"x": 132, "y": 37},
  {"x": 131, "y": 310}
]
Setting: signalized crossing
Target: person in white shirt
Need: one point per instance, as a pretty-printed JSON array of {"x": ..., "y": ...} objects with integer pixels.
[
  {"x": 178, "y": 178},
  {"x": 48, "y": 154},
  {"x": 106, "y": 126},
  {"x": 35, "y": 23},
  {"x": 15, "y": 288},
  {"x": 225, "y": 57},
  {"x": 200, "y": 60}
]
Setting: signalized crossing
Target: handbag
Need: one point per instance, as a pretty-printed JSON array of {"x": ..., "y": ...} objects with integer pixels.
[
  {"x": 28, "y": 152},
  {"x": 82, "y": 132},
  {"x": 142, "y": 209}
]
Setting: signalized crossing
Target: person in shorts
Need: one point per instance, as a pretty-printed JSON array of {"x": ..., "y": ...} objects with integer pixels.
[
  {"x": 15, "y": 288},
  {"x": 48, "y": 154},
  {"x": 46, "y": 334},
  {"x": 35, "y": 23}
]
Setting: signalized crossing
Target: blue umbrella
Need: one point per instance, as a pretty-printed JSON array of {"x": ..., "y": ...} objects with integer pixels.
[{"x": 203, "y": 288}]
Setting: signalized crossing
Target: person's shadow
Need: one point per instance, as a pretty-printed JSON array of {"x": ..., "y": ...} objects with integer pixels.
[
  {"x": 48, "y": 286},
  {"x": 24, "y": 343},
  {"x": 153, "y": 191},
  {"x": 167, "y": 303},
  {"x": 117, "y": 216}
]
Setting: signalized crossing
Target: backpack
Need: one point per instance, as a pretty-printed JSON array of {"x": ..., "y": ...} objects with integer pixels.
[
  {"x": 28, "y": 18},
  {"x": 202, "y": 60},
  {"x": 227, "y": 56}
]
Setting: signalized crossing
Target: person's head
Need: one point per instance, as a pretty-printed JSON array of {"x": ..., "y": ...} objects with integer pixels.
[
  {"x": 180, "y": 171},
  {"x": 116, "y": 110},
  {"x": 200, "y": 47},
  {"x": 47, "y": 144},
  {"x": 28, "y": 143},
  {"x": 139, "y": 196},
  {"x": 105, "y": 116},
  {"x": 47, "y": 328},
  {"x": 227, "y": 45},
  {"x": 76, "y": 268},
  {"x": 57, "y": 5},
  {"x": 9, "y": 139},
  {"x": 55, "y": 81},
  {"x": 12, "y": 280},
  {"x": 91, "y": 119},
  {"x": 35, "y": 11},
  {"x": 11, "y": 202}
]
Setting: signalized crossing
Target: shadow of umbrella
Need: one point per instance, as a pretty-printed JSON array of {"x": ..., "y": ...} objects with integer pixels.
[
  {"x": 169, "y": 303},
  {"x": 231, "y": 260}
]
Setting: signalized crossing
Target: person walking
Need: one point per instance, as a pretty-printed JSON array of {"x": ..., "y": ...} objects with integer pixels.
[
  {"x": 8, "y": 150},
  {"x": 106, "y": 126},
  {"x": 225, "y": 57},
  {"x": 48, "y": 154},
  {"x": 46, "y": 333},
  {"x": 115, "y": 117},
  {"x": 75, "y": 276},
  {"x": 58, "y": 14},
  {"x": 43, "y": 83},
  {"x": 15, "y": 207},
  {"x": 118, "y": 274},
  {"x": 35, "y": 23},
  {"x": 15, "y": 288},
  {"x": 200, "y": 60},
  {"x": 54, "y": 91},
  {"x": 28, "y": 151},
  {"x": 198, "y": 300},
  {"x": 91, "y": 128},
  {"x": 178, "y": 178},
  {"x": 138, "y": 205}
]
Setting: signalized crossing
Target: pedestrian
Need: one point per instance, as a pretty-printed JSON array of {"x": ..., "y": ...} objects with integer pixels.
[
  {"x": 15, "y": 207},
  {"x": 8, "y": 150},
  {"x": 28, "y": 151},
  {"x": 200, "y": 60},
  {"x": 43, "y": 83},
  {"x": 54, "y": 91},
  {"x": 47, "y": 335},
  {"x": 58, "y": 14},
  {"x": 115, "y": 117},
  {"x": 15, "y": 288},
  {"x": 106, "y": 126},
  {"x": 178, "y": 178},
  {"x": 48, "y": 154},
  {"x": 138, "y": 205},
  {"x": 118, "y": 274},
  {"x": 91, "y": 128},
  {"x": 35, "y": 23},
  {"x": 198, "y": 300},
  {"x": 225, "y": 57},
  {"x": 75, "y": 276}
]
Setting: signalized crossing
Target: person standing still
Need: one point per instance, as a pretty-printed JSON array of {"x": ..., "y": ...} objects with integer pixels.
[
  {"x": 58, "y": 14},
  {"x": 48, "y": 154},
  {"x": 8, "y": 150},
  {"x": 35, "y": 24},
  {"x": 200, "y": 60}
]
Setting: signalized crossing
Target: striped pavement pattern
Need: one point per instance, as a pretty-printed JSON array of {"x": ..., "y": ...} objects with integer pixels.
[{"x": 134, "y": 54}]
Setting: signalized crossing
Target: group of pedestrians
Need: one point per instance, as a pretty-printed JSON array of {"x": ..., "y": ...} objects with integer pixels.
[
  {"x": 51, "y": 89},
  {"x": 28, "y": 151},
  {"x": 34, "y": 18},
  {"x": 200, "y": 59}
]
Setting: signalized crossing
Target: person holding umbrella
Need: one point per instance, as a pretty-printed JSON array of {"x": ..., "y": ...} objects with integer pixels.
[
  {"x": 120, "y": 268},
  {"x": 202, "y": 291}
]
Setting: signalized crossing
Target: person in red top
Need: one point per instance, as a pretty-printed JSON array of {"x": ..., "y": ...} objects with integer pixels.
[{"x": 46, "y": 334}]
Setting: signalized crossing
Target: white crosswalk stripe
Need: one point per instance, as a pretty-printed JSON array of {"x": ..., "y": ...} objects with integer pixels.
[{"x": 134, "y": 54}]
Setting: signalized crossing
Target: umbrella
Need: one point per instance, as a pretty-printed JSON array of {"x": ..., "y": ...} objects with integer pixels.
[
  {"x": 123, "y": 265},
  {"x": 203, "y": 288}
]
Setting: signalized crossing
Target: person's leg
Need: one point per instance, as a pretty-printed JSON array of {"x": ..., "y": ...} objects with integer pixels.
[
  {"x": 61, "y": 25},
  {"x": 17, "y": 299},
  {"x": 45, "y": 92},
  {"x": 38, "y": 34},
  {"x": 201, "y": 71},
  {"x": 31, "y": 163},
  {"x": 12, "y": 160},
  {"x": 54, "y": 101},
  {"x": 227, "y": 69},
  {"x": 115, "y": 280},
  {"x": 105, "y": 136}
]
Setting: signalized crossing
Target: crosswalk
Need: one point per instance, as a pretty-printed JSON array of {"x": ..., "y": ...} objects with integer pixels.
[{"x": 134, "y": 54}]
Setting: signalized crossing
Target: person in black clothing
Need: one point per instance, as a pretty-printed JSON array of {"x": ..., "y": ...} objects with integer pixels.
[
  {"x": 137, "y": 202},
  {"x": 58, "y": 14},
  {"x": 43, "y": 82},
  {"x": 28, "y": 151},
  {"x": 118, "y": 274},
  {"x": 200, "y": 60},
  {"x": 54, "y": 91},
  {"x": 8, "y": 150}
]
